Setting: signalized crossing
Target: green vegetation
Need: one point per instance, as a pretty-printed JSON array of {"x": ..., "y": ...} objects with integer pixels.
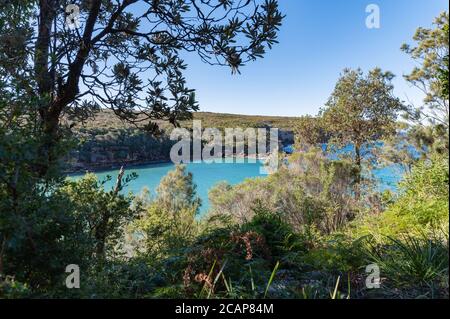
[
  {"x": 175, "y": 255},
  {"x": 169, "y": 221},
  {"x": 305, "y": 196},
  {"x": 431, "y": 53},
  {"x": 361, "y": 111},
  {"x": 106, "y": 62},
  {"x": 105, "y": 119},
  {"x": 307, "y": 231},
  {"x": 431, "y": 77},
  {"x": 105, "y": 141}
]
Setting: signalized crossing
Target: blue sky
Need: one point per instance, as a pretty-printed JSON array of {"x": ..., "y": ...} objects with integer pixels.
[{"x": 318, "y": 39}]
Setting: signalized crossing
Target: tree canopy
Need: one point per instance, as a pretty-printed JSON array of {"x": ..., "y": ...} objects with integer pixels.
[
  {"x": 361, "y": 110},
  {"x": 123, "y": 55},
  {"x": 431, "y": 74}
]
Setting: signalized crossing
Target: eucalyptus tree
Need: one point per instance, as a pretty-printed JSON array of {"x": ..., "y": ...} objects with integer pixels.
[{"x": 361, "y": 110}]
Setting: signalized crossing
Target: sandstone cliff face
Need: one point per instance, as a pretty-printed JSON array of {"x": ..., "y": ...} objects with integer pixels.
[{"x": 101, "y": 149}]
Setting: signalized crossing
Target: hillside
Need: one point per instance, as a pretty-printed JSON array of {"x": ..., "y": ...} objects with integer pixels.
[
  {"x": 106, "y": 119},
  {"x": 106, "y": 142}
]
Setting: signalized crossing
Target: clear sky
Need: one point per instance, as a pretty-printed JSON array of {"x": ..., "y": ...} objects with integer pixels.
[{"x": 318, "y": 39}]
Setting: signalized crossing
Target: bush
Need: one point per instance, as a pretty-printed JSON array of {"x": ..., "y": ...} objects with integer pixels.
[
  {"x": 422, "y": 204},
  {"x": 11, "y": 289},
  {"x": 168, "y": 223},
  {"x": 413, "y": 267},
  {"x": 233, "y": 261},
  {"x": 100, "y": 215},
  {"x": 313, "y": 192}
]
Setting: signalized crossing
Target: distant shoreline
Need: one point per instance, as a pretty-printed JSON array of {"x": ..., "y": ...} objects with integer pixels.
[
  {"x": 110, "y": 167},
  {"x": 139, "y": 164}
]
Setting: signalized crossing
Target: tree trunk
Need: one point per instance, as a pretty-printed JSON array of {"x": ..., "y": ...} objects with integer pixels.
[
  {"x": 49, "y": 142},
  {"x": 49, "y": 119},
  {"x": 55, "y": 100}
]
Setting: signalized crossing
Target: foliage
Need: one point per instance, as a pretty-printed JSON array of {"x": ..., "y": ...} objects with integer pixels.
[
  {"x": 11, "y": 289},
  {"x": 29, "y": 211},
  {"x": 303, "y": 232},
  {"x": 128, "y": 278},
  {"x": 169, "y": 224},
  {"x": 361, "y": 110},
  {"x": 408, "y": 241},
  {"x": 177, "y": 191},
  {"x": 431, "y": 53},
  {"x": 311, "y": 131},
  {"x": 217, "y": 258},
  {"x": 413, "y": 267},
  {"x": 50, "y": 72},
  {"x": 422, "y": 204},
  {"x": 115, "y": 57},
  {"x": 313, "y": 192},
  {"x": 431, "y": 77},
  {"x": 102, "y": 215}
]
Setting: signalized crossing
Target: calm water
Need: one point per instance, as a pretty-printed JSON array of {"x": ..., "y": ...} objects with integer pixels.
[
  {"x": 208, "y": 175},
  {"x": 205, "y": 176},
  {"x": 388, "y": 177}
]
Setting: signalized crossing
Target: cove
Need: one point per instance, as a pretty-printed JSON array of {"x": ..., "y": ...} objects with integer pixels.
[{"x": 205, "y": 176}]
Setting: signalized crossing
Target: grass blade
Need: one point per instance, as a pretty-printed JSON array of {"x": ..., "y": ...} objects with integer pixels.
[
  {"x": 272, "y": 276},
  {"x": 336, "y": 288}
]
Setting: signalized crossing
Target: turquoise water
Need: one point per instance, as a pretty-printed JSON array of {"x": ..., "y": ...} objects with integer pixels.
[
  {"x": 388, "y": 177},
  {"x": 205, "y": 176}
]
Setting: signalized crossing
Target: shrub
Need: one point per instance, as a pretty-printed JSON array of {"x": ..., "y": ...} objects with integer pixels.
[
  {"x": 421, "y": 206},
  {"x": 168, "y": 223},
  {"x": 12, "y": 289},
  {"x": 413, "y": 267},
  {"x": 313, "y": 192}
]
